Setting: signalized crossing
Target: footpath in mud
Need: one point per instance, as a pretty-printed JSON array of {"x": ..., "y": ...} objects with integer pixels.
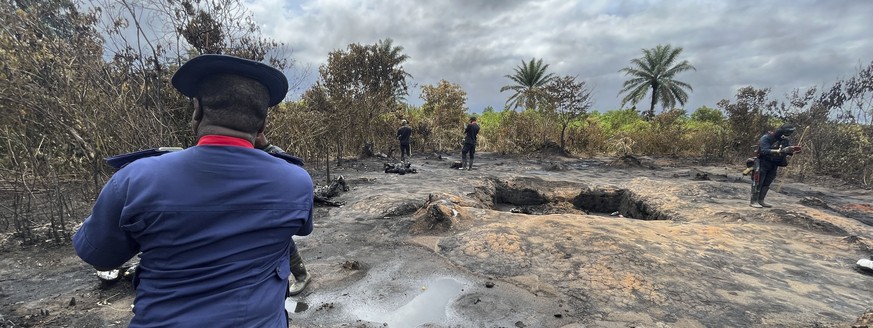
[{"x": 516, "y": 242}]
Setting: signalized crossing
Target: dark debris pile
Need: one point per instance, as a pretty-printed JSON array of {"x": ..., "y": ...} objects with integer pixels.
[{"x": 399, "y": 168}]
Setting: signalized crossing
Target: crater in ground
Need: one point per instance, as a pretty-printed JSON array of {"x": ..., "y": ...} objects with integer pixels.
[{"x": 535, "y": 196}]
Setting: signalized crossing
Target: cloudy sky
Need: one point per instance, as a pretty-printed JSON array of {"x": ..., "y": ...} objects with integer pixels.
[{"x": 782, "y": 45}]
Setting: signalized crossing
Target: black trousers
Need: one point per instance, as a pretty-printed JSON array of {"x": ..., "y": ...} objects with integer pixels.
[
  {"x": 468, "y": 148},
  {"x": 404, "y": 151},
  {"x": 767, "y": 173}
]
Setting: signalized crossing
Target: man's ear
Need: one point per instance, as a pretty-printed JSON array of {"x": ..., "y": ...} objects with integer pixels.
[
  {"x": 263, "y": 126},
  {"x": 198, "y": 109},
  {"x": 197, "y": 116}
]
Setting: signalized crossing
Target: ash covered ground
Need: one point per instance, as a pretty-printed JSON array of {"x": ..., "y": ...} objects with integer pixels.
[{"x": 534, "y": 242}]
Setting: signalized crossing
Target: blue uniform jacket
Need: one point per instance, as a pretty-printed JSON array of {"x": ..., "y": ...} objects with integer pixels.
[{"x": 213, "y": 227}]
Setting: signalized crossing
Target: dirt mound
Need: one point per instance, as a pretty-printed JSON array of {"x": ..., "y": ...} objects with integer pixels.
[
  {"x": 804, "y": 221},
  {"x": 861, "y": 212},
  {"x": 627, "y": 161},
  {"x": 441, "y": 213}
]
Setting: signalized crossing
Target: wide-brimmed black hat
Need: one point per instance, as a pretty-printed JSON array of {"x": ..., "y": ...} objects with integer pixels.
[{"x": 188, "y": 78}]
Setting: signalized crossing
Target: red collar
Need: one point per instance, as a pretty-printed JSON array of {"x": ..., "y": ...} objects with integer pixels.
[{"x": 216, "y": 140}]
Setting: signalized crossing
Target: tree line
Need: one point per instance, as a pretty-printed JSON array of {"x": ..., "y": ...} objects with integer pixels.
[{"x": 87, "y": 79}]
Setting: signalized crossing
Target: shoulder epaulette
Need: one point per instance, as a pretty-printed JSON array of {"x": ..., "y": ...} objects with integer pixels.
[{"x": 120, "y": 161}]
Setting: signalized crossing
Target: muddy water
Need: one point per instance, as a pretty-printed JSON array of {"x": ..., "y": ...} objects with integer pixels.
[{"x": 428, "y": 307}]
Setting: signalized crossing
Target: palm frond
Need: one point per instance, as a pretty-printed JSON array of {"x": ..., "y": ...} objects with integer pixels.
[{"x": 635, "y": 95}]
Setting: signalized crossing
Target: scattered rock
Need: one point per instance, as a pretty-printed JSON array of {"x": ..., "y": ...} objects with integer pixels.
[
  {"x": 72, "y": 302},
  {"x": 489, "y": 284},
  {"x": 324, "y": 306},
  {"x": 865, "y": 321},
  {"x": 865, "y": 265},
  {"x": 701, "y": 177},
  {"x": 300, "y": 307},
  {"x": 520, "y": 324},
  {"x": 352, "y": 265}
]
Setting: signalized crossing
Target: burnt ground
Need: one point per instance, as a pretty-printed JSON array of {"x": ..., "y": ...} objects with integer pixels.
[{"x": 535, "y": 242}]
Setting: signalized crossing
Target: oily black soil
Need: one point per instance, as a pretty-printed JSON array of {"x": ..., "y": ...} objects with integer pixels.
[{"x": 535, "y": 242}]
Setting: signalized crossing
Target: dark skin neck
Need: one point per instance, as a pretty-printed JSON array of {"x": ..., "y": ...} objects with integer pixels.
[
  {"x": 202, "y": 126},
  {"x": 222, "y": 131}
]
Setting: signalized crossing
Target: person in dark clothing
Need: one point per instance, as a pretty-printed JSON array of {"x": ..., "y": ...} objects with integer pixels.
[
  {"x": 403, "y": 134},
  {"x": 773, "y": 151},
  {"x": 470, "y": 134}
]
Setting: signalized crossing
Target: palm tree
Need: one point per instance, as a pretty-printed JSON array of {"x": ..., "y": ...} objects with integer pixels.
[
  {"x": 390, "y": 58},
  {"x": 530, "y": 78},
  {"x": 655, "y": 70}
]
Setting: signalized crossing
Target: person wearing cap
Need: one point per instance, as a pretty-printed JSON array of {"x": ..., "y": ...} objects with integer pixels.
[
  {"x": 212, "y": 223},
  {"x": 403, "y": 134},
  {"x": 774, "y": 148},
  {"x": 471, "y": 132}
]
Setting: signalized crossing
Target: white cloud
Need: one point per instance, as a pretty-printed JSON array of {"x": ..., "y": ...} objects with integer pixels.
[{"x": 778, "y": 44}]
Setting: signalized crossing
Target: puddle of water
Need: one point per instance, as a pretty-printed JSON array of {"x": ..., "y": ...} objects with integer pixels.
[
  {"x": 428, "y": 307},
  {"x": 292, "y": 306}
]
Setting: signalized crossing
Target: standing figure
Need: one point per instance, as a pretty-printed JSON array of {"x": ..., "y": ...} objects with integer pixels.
[
  {"x": 403, "y": 134},
  {"x": 212, "y": 223},
  {"x": 773, "y": 151},
  {"x": 471, "y": 131}
]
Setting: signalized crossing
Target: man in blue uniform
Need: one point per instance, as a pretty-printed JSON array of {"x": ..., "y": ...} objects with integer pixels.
[
  {"x": 773, "y": 151},
  {"x": 212, "y": 223}
]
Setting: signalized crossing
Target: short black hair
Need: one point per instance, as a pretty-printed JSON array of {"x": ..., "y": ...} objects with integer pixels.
[{"x": 234, "y": 102}]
